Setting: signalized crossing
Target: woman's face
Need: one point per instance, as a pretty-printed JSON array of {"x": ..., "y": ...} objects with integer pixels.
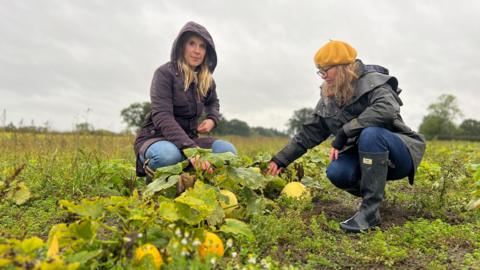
[
  {"x": 329, "y": 75},
  {"x": 194, "y": 51}
]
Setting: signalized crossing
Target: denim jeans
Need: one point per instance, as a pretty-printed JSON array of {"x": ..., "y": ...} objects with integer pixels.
[
  {"x": 165, "y": 153},
  {"x": 345, "y": 171}
]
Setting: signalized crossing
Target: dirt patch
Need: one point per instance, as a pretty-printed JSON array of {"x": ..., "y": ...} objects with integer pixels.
[
  {"x": 332, "y": 209},
  {"x": 392, "y": 214}
]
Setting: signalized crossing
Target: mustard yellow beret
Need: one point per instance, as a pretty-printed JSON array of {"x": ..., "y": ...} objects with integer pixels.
[{"x": 333, "y": 53}]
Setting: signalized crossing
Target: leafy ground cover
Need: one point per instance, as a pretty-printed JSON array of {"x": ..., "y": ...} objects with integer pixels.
[{"x": 73, "y": 201}]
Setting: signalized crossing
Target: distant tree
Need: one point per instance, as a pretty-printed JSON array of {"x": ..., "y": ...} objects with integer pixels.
[
  {"x": 231, "y": 127},
  {"x": 267, "y": 132},
  {"x": 135, "y": 114},
  {"x": 433, "y": 126},
  {"x": 446, "y": 107},
  {"x": 84, "y": 127},
  {"x": 470, "y": 127},
  {"x": 440, "y": 118},
  {"x": 238, "y": 127},
  {"x": 299, "y": 117}
]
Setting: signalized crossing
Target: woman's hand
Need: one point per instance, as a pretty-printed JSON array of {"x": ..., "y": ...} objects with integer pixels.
[
  {"x": 203, "y": 165},
  {"x": 273, "y": 169},
  {"x": 206, "y": 126},
  {"x": 333, "y": 154}
]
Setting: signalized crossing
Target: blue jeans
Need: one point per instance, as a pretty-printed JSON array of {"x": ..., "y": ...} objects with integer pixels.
[
  {"x": 165, "y": 153},
  {"x": 345, "y": 171}
]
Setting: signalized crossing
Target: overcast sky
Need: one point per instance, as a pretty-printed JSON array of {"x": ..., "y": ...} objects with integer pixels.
[{"x": 68, "y": 62}]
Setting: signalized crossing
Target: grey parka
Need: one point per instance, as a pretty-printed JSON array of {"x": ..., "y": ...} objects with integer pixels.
[{"x": 375, "y": 104}]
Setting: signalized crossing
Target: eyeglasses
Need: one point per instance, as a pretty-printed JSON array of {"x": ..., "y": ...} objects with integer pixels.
[{"x": 322, "y": 72}]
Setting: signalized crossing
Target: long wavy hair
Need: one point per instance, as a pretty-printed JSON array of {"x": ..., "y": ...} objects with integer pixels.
[
  {"x": 344, "y": 84},
  {"x": 201, "y": 76}
]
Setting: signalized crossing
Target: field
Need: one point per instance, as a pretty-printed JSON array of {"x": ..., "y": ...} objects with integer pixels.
[{"x": 73, "y": 202}]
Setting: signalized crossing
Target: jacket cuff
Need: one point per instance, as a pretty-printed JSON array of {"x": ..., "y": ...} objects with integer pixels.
[
  {"x": 289, "y": 153},
  {"x": 278, "y": 162},
  {"x": 214, "y": 119}
]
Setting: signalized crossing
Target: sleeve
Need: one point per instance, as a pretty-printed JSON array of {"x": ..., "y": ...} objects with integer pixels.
[
  {"x": 161, "y": 97},
  {"x": 314, "y": 132},
  {"x": 212, "y": 105},
  {"x": 381, "y": 111}
]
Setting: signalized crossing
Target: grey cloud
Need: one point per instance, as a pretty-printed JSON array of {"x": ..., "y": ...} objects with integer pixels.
[{"x": 61, "y": 58}]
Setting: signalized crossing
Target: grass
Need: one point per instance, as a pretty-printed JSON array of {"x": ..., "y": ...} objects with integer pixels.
[{"x": 426, "y": 225}]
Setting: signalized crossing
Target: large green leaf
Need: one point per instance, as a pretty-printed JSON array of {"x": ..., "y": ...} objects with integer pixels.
[
  {"x": 29, "y": 245},
  {"x": 202, "y": 201},
  {"x": 237, "y": 227},
  {"x": 174, "y": 169},
  {"x": 188, "y": 214},
  {"x": 168, "y": 211},
  {"x": 219, "y": 159},
  {"x": 249, "y": 177},
  {"x": 93, "y": 209},
  {"x": 217, "y": 216},
  {"x": 21, "y": 194},
  {"x": 201, "y": 197},
  {"x": 83, "y": 256},
  {"x": 85, "y": 230},
  {"x": 161, "y": 183}
]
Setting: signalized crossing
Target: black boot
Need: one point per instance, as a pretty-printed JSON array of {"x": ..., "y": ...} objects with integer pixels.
[
  {"x": 374, "y": 168},
  {"x": 355, "y": 190}
]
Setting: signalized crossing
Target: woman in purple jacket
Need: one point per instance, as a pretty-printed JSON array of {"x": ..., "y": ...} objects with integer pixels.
[{"x": 182, "y": 90}]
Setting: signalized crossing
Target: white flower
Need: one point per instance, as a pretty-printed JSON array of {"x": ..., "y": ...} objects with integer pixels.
[
  {"x": 196, "y": 242},
  {"x": 213, "y": 261},
  {"x": 178, "y": 232},
  {"x": 187, "y": 234},
  {"x": 127, "y": 239},
  {"x": 139, "y": 235},
  {"x": 265, "y": 264},
  {"x": 252, "y": 260},
  {"x": 234, "y": 254},
  {"x": 229, "y": 242},
  {"x": 184, "y": 241},
  {"x": 184, "y": 252}
]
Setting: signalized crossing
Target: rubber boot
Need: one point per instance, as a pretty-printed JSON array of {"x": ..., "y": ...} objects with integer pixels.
[
  {"x": 355, "y": 190},
  {"x": 373, "y": 168}
]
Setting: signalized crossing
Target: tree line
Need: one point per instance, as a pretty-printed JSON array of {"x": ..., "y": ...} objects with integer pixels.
[
  {"x": 135, "y": 114},
  {"x": 439, "y": 123}
]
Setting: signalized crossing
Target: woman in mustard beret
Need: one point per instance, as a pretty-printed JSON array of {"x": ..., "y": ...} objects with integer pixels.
[{"x": 360, "y": 106}]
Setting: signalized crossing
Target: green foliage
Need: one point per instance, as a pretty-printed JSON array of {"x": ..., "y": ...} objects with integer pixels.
[
  {"x": 12, "y": 189},
  {"x": 439, "y": 123},
  {"x": 299, "y": 117},
  {"x": 433, "y": 126},
  {"x": 105, "y": 213},
  {"x": 470, "y": 128},
  {"x": 135, "y": 114}
]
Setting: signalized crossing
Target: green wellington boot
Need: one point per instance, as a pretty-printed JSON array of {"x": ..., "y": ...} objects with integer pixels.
[{"x": 374, "y": 168}]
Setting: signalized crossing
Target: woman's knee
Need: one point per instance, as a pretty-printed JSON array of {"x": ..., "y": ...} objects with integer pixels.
[
  {"x": 340, "y": 176},
  {"x": 220, "y": 146},
  {"x": 163, "y": 154},
  {"x": 372, "y": 139}
]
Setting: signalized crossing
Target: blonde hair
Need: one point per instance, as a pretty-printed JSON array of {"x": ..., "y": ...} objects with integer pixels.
[
  {"x": 202, "y": 78},
  {"x": 344, "y": 84}
]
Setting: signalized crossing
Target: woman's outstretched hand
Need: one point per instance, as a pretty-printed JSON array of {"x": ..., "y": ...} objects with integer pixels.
[
  {"x": 203, "y": 165},
  {"x": 273, "y": 169},
  {"x": 206, "y": 126}
]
